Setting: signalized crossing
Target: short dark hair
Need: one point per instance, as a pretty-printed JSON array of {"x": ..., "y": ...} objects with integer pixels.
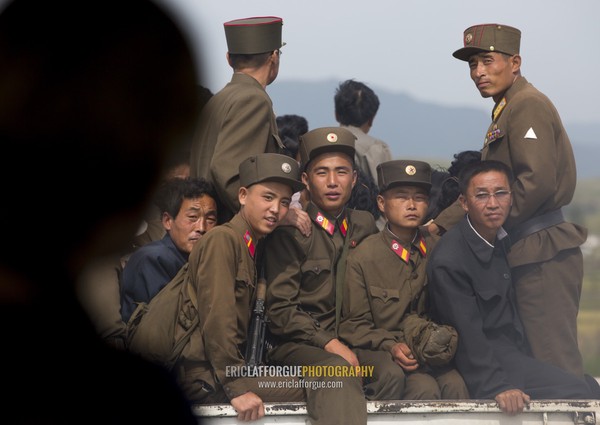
[
  {"x": 242, "y": 60},
  {"x": 355, "y": 103},
  {"x": 172, "y": 192},
  {"x": 364, "y": 194},
  {"x": 478, "y": 167},
  {"x": 290, "y": 128}
]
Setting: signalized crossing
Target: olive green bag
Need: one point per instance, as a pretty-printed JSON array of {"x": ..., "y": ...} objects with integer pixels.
[{"x": 160, "y": 329}]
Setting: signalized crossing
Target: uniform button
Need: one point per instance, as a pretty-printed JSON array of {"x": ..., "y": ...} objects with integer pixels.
[
  {"x": 316, "y": 269},
  {"x": 384, "y": 294},
  {"x": 506, "y": 276}
]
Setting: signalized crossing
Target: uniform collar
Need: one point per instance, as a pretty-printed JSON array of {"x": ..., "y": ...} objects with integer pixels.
[
  {"x": 404, "y": 252},
  {"x": 327, "y": 222},
  {"x": 482, "y": 249},
  {"x": 241, "y": 78},
  {"x": 517, "y": 86},
  {"x": 242, "y": 228}
]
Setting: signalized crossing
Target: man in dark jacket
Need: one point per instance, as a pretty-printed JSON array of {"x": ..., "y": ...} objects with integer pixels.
[
  {"x": 188, "y": 210},
  {"x": 471, "y": 289}
]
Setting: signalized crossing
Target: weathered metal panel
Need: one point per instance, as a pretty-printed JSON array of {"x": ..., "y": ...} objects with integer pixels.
[{"x": 472, "y": 412}]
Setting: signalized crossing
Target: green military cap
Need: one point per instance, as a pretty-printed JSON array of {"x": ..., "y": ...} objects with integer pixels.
[
  {"x": 489, "y": 38},
  {"x": 253, "y": 35},
  {"x": 267, "y": 167},
  {"x": 403, "y": 172},
  {"x": 326, "y": 139}
]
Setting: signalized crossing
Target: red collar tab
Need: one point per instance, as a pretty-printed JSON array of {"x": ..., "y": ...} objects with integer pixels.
[
  {"x": 249, "y": 243},
  {"x": 400, "y": 251},
  {"x": 422, "y": 246},
  {"x": 325, "y": 223}
]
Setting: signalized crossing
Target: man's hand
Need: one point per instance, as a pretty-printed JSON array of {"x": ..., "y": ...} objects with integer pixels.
[
  {"x": 512, "y": 401},
  {"x": 299, "y": 219},
  {"x": 404, "y": 357},
  {"x": 434, "y": 229},
  {"x": 249, "y": 407},
  {"x": 335, "y": 346}
]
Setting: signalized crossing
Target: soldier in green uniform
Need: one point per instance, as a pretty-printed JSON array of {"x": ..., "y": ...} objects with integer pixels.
[
  {"x": 527, "y": 134},
  {"x": 305, "y": 274},
  {"x": 223, "y": 273},
  {"x": 239, "y": 121},
  {"x": 385, "y": 315}
]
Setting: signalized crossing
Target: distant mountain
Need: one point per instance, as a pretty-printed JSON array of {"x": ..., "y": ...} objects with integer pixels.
[{"x": 419, "y": 130}]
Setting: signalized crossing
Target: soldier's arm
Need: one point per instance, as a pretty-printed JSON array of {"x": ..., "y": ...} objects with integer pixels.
[{"x": 532, "y": 155}]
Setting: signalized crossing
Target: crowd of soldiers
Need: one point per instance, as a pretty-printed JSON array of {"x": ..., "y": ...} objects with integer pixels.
[{"x": 478, "y": 301}]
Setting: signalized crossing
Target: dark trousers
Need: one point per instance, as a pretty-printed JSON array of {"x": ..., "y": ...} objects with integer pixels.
[{"x": 539, "y": 379}]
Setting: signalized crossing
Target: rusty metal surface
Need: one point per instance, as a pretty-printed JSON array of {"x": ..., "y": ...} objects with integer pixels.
[{"x": 476, "y": 412}]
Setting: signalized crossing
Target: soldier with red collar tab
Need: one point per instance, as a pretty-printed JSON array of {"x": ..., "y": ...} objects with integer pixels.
[
  {"x": 305, "y": 274},
  {"x": 223, "y": 272},
  {"x": 385, "y": 315}
]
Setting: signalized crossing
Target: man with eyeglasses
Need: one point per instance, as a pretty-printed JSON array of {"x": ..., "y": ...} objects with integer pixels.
[
  {"x": 238, "y": 121},
  {"x": 471, "y": 289},
  {"x": 527, "y": 134}
]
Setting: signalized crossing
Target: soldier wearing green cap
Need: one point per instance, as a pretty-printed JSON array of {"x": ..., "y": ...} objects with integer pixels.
[
  {"x": 223, "y": 273},
  {"x": 385, "y": 316},
  {"x": 527, "y": 134},
  {"x": 239, "y": 120},
  {"x": 305, "y": 274}
]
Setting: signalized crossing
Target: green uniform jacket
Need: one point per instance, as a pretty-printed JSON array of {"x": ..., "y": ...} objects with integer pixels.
[
  {"x": 300, "y": 272},
  {"x": 236, "y": 123},
  {"x": 223, "y": 273},
  {"x": 382, "y": 290},
  {"x": 527, "y": 134},
  {"x": 543, "y": 164}
]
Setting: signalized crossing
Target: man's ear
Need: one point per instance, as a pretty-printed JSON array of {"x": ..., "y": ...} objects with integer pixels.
[
  {"x": 167, "y": 220},
  {"x": 463, "y": 202},
  {"x": 242, "y": 195},
  {"x": 381, "y": 203},
  {"x": 305, "y": 180},
  {"x": 516, "y": 63}
]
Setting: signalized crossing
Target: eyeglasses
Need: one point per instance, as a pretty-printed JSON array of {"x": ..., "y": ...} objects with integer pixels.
[{"x": 484, "y": 197}]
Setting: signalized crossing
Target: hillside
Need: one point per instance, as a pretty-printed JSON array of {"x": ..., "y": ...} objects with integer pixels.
[{"x": 419, "y": 130}]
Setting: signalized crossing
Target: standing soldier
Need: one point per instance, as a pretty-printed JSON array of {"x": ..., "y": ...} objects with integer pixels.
[
  {"x": 527, "y": 134},
  {"x": 305, "y": 274},
  {"x": 238, "y": 121}
]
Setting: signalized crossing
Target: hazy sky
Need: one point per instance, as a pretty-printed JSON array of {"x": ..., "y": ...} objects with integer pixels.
[{"x": 407, "y": 45}]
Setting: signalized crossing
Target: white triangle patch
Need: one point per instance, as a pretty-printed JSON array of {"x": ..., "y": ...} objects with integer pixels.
[{"x": 530, "y": 134}]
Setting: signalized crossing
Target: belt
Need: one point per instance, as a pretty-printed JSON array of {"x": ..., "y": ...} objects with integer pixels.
[{"x": 535, "y": 224}]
